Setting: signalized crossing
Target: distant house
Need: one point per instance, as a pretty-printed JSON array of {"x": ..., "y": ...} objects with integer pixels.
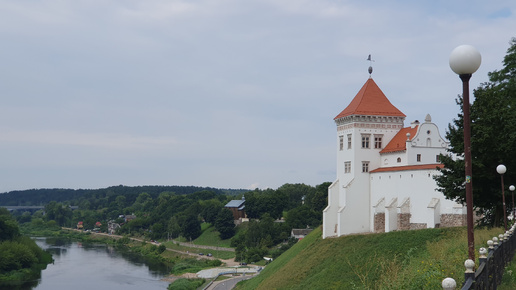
[
  {"x": 129, "y": 218},
  {"x": 300, "y": 233},
  {"x": 237, "y": 207},
  {"x": 112, "y": 227},
  {"x": 80, "y": 225}
]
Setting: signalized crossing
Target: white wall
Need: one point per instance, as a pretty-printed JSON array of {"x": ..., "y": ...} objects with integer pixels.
[{"x": 418, "y": 185}]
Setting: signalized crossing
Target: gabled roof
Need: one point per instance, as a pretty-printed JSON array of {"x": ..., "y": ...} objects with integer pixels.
[
  {"x": 370, "y": 100},
  {"x": 235, "y": 203},
  {"x": 304, "y": 232},
  {"x": 408, "y": 167},
  {"x": 398, "y": 142}
]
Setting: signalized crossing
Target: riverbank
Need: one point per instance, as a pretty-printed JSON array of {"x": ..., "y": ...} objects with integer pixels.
[{"x": 230, "y": 267}]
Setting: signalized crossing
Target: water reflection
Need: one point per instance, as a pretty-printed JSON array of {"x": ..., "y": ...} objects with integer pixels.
[{"x": 79, "y": 265}]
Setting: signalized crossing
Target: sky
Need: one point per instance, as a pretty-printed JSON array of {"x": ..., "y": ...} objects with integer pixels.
[{"x": 219, "y": 93}]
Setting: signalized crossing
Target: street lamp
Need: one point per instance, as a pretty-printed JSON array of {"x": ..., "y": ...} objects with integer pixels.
[
  {"x": 501, "y": 169},
  {"x": 511, "y": 188},
  {"x": 464, "y": 61}
]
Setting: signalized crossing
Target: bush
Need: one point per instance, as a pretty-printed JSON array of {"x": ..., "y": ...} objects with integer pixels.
[{"x": 15, "y": 256}]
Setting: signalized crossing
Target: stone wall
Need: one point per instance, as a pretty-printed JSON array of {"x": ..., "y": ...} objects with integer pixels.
[
  {"x": 447, "y": 220},
  {"x": 453, "y": 220},
  {"x": 417, "y": 226},
  {"x": 379, "y": 222},
  {"x": 404, "y": 221}
]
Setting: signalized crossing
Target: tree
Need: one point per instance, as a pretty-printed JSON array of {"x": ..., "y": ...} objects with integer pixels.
[
  {"x": 224, "y": 224},
  {"x": 295, "y": 193},
  {"x": 210, "y": 210},
  {"x": 268, "y": 201},
  {"x": 190, "y": 225},
  {"x": 493, "y": 123},
  {"x": 318, "y": 199},
  {"x": 8, "y": 226},
  {"x": 303, "y": 216},
  {"x": 58, "y": 212}
]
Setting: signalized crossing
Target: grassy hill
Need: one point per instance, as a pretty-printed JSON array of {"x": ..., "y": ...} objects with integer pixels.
[{"x": 418, "y": 259}]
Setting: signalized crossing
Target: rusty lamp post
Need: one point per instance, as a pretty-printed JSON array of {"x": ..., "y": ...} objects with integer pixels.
[
  {"x": 501, "y": 169},
  {"x": 511, "y": 188},
  {"x": 464, "y": 61}
]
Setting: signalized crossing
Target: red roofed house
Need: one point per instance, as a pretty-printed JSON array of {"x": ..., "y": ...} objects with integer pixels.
[{"x": 384, "y": 171}]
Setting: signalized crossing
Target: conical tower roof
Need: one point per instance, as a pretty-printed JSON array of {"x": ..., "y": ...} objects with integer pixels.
[{"x": 370, "y": 101}]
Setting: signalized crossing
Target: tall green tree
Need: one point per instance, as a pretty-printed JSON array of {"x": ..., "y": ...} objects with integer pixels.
[
  {"x": 190, "y": 225},
  {"x": 8, "y": 226},
  {"x": 493, "y": 139},
  {"x": 58, "y": 212},
  {"x": 224, "y": 223}
]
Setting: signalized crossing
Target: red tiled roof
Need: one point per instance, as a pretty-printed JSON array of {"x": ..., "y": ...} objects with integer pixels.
[
  {"x": 398, "y": 143},
  {"x": 408, "y": 167},
  {"x": 370, "y": 100}
]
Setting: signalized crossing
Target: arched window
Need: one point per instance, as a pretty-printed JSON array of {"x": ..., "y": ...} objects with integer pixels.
[{"x": 398, "y": 160}]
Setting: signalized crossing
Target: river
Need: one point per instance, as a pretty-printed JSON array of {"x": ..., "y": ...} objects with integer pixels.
[{"x": 87, "y": 266}]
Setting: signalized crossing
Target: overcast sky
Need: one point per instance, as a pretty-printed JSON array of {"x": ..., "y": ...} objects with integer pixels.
[{"x": 221, "y": 93}]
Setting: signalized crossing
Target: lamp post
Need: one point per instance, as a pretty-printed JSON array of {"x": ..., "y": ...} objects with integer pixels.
[
  {"x": 511, "y": 188},
  {"x": 464, "y": 61},
  {"x": 501, "y": 169}
]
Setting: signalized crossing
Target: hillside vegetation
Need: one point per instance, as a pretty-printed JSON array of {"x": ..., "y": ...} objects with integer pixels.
[{"x": 418, "y": 259}]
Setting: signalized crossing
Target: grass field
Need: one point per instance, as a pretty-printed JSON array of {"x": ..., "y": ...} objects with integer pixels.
[
  {"x": 418, "y": 259},
  {"x": 210, "y": 237}
]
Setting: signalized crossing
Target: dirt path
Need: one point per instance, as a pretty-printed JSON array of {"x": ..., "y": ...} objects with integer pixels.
[{"x": 204, "y": 247}]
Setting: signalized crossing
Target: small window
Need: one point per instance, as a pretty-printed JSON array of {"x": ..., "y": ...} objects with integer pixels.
[
  {"x": 378, "y": 141},
  {"x": 365, "y": 166},
  {"x": 398, "y": 160},
  {"x": 418, "y": 158},
  {"x": 349, "y": 141},
  {"x": 341, "y": 143},
  {"x": 347, "y": 167},
  {"x": 437, "y": 158},
  {"x": 365, "y": 141}
]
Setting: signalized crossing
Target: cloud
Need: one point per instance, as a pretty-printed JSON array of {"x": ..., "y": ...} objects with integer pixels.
[
  {"x": 103, "y": 140},
  {"x": 218, "y": 92}
]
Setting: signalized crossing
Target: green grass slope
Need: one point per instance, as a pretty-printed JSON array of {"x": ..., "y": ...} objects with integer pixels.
[{"x": 418, "y": 259}]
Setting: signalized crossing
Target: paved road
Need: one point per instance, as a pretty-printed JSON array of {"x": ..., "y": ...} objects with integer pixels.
[{"x": 228, "y": 283}]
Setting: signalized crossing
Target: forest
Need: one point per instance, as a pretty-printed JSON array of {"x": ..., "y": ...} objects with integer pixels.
[{"x": 170, "y": 212}]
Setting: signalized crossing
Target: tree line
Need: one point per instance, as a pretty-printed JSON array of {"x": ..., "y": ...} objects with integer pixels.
[{"x": 167, "y": 214}]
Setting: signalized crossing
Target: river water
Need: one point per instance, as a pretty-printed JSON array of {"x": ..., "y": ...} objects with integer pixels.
[{"x": 87, "y": 266}]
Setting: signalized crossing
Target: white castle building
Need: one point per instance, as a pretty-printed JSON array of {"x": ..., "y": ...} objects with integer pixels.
[{"x": 385, "y": 171}]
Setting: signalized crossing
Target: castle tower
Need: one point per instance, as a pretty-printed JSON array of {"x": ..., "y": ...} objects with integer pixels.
[{"x": 364, "y": 128}]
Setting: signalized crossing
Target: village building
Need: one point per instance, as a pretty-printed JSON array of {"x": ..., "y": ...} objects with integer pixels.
[
  {"x": 300, "y": 233},
  {"x": 385, "y": 171},
  {"x": 237, "y": 207}
]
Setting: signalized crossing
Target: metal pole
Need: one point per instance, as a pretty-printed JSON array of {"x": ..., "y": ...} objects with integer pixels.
[
  {"x": 468, "y": 166},
  {"x": 504, "y": 209}
]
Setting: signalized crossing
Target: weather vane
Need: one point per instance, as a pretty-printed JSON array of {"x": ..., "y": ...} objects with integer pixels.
[{"x": 370, "y": 65}]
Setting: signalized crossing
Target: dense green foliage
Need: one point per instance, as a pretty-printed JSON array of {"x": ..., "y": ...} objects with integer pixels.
[
  {"x": 493, "y": 123},
  {"x": 224, "y": 224},
  {"x": 20, "y": 257}
]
